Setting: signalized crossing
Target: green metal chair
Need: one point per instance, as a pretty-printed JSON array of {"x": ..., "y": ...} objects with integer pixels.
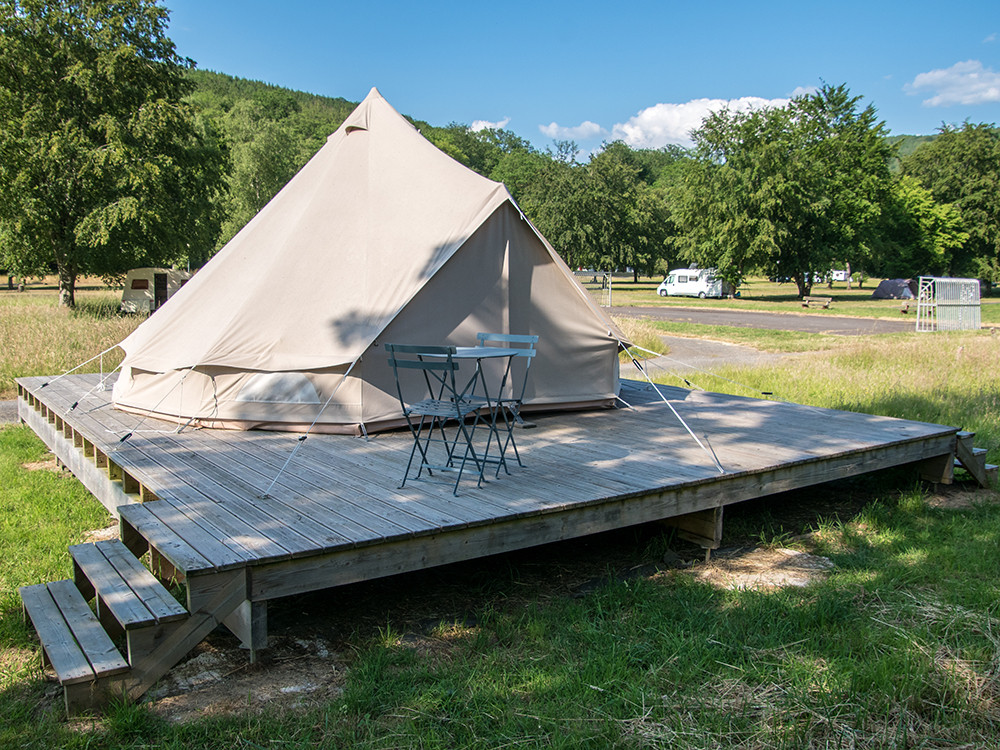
[{"x": 442, "y": 400}]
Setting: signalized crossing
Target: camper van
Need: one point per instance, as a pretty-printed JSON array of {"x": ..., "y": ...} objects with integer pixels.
[
  {"x": 146, "y": 289},
  {"x": 693, "y": 282}
]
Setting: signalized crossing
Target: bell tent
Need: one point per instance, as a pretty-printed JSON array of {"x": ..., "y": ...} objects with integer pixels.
[{"x": 380, "y": 238}]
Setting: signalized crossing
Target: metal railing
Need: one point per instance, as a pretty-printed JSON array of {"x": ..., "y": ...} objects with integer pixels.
[{"x": 945, "y": 304}]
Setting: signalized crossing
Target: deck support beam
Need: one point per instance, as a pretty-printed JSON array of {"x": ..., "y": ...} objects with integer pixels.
[
  {"x": 248, "y": 622},
  {"x": 703, "y": 527},
  {"x": 939, "y": 469}
]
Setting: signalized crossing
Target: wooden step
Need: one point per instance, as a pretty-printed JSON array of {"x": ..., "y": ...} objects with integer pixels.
[
  {"x": 128, "y": 598},
  {"x": 973, "y": 459},
  {"x": 82, "y": 654},
  {"x": 141, "y": 525},
  {"x": 992, "y": 474}
]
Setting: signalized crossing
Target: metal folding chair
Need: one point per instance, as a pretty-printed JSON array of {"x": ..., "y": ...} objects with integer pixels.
[
  {"x": 427, "y": 416},
  {"x": 525, "y": 346}
]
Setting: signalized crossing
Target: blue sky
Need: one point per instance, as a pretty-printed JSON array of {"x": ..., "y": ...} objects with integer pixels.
[{"x": 644, "y": 72}]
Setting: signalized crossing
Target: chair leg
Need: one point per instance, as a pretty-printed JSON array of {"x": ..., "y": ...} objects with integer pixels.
[
  {"x": 481, "y": 465},
  {"x": 415, "y": 433}
]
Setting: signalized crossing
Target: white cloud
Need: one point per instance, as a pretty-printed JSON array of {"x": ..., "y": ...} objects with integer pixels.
[
  {"x": 478, "y": 125},
  {"x": 963, "y": 83},
  {"x": 667, "y": 123},
  {"x": 990, "y": 39},
  {"x": 584, "y": 131},
  {"x": 804, "y": 91}
]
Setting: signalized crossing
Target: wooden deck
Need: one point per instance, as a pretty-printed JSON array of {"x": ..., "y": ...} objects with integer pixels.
[{"x": 198, "y": 499}]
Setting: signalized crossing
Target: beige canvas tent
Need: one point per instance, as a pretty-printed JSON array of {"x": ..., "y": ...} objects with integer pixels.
[{"x": 380, "y": 238}]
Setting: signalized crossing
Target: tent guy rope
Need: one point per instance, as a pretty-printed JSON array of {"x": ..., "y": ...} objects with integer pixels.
[
  {"x": 302, "y": 438},
  {"x": 638, "y": 366}
]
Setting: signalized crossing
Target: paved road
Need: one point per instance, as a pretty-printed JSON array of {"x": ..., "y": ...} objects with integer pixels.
[
  {"x": 775, "y": 321},
  {"x": 8, "y": 411}
]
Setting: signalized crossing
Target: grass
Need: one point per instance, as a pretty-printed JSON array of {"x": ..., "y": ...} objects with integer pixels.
[
  {"x": 762, "y": 339},
  {"x": 898, "y": 648},
  {"x": 761, "y": 295},
  {"x": 944, "y": 378},
  {"x": 40, "y": 338}
]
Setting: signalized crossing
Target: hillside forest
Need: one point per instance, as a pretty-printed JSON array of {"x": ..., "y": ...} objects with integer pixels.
[{"x": 170, "y": 168}]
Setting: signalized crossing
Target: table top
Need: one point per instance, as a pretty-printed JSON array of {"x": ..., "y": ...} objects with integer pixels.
[{"x": 477, "y": 352}]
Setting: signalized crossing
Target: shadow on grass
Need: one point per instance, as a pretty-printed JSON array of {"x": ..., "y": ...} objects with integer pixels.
[{"x": 890, "y": 650}]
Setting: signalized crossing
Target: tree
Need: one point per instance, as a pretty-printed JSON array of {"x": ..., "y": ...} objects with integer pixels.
[
  {"x": 262, "y": 159},
  {"x": 788, "y": 190},
  {"x": 919, "y": 235},
  {"x": 962, "y": 167},
  {"x": 623, "y": 222},
  {"x": 102, "y": 167}
]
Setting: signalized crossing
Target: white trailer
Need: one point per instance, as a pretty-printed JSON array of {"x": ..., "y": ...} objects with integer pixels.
[
  {"x": 693, "y": 282},
  {"x": 146, "y": 289}
]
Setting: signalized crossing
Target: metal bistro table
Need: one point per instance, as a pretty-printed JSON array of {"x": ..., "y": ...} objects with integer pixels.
[{"x": 478, "y": 388}]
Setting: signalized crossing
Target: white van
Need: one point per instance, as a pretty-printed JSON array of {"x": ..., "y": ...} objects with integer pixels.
[
  {"x": 148, "y": 288},
  {"x": 693, "y": 282}
]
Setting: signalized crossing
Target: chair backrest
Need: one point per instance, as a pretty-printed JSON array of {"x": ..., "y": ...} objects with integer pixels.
[
  {"x": 525, "y": 350},
  {"x": 438, "y": 369},
  {"x": 488, "y": 339}
]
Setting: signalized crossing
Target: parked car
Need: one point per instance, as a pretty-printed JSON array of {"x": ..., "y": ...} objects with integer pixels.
[{"x": 693, "y": 282}]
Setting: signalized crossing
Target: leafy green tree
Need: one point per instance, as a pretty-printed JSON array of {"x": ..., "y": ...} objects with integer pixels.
[
  {"x": 262, "y": 155},
  {"x": 919, "y": 235},
  {"x": 788, "y": 190},
  {"x": 962, "y": 167},
  {"x": 622, "y": 222},
  {"x": 101, "y": 165}
]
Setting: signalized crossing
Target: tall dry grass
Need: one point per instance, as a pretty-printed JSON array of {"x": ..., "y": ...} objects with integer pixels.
[
  {"x": 944, "y": 378},
  {"x": 39, "y": 338}
]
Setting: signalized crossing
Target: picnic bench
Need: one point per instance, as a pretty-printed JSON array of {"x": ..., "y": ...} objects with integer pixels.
[{"x": 822, "y": 301}]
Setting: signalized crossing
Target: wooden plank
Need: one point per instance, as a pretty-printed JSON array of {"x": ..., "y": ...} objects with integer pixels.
[
  {"x": 319, "y": 466},
  {"x": 234, "y": 514},
  {"x": 93, "y": 640},
  {"x": 56, "y": 638},
  {"x": 973, "y": 459},
  {"x": 112, "y": 592},
  {"x": 93, "y": 478},
  {"x": 290, "y": 519},
  {"x": 186, "y": 520},
  {"x": 204, "y": 619},
  {"x": 160, "y": 535},
  {"x": 154, "y": 597}
]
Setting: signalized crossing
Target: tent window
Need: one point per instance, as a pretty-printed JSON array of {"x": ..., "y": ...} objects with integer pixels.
[
  {"x": 279, "y": 388},
  {"x": 140, "y": 283}
]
